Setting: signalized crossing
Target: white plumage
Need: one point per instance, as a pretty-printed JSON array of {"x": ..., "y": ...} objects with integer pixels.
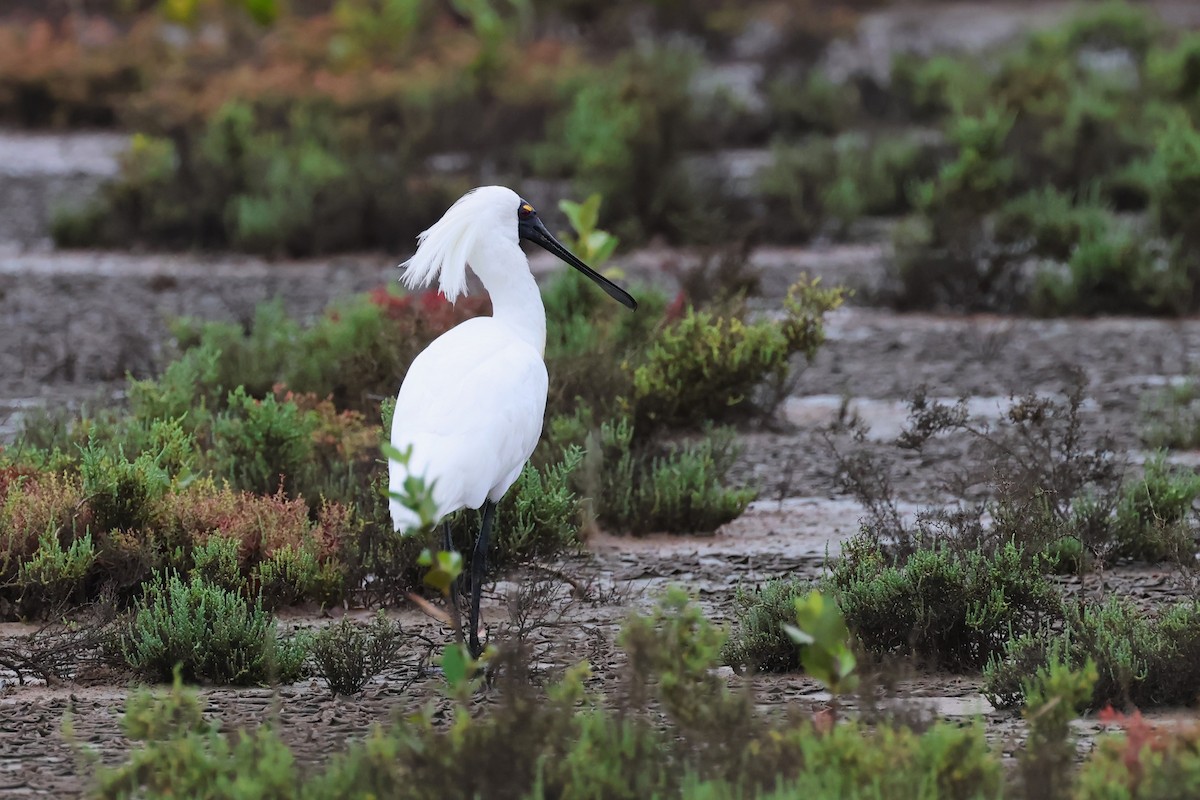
[
  {"x": 471, "y": 408},
  {"x": 472, "y": 403}
]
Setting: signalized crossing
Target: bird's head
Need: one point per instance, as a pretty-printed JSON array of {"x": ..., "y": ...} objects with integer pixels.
[{"x": 481, "y": 214}]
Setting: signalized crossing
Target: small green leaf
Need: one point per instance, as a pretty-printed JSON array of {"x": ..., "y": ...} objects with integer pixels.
[
  {"x": 589, "y": 215},
  {"x": 822, "y": 633},
  {"x": 395, "y": 454},
  {"x": 455, "y": 664},
  {"x": 446, "y": 567},
  {"x": 571, "y": 211}
]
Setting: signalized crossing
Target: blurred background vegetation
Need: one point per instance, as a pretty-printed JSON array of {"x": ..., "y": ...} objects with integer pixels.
[{"x": 1053, "y": 176}]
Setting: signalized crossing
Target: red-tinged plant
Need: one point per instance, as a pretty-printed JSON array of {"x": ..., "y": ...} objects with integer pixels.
[
  {"x": 1143, "y": 761},
  {"x": 429, "y": 312},
  {"x": 677, "y": 308},
  {"x": 341, "y": 436},
  {"x": 1139, "y": 735},
  {"x": 13, "y": 475},
  {"x": 34, "y": 505}
]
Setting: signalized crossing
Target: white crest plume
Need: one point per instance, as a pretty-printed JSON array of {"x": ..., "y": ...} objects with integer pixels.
[{"x": 443, "y": 249}]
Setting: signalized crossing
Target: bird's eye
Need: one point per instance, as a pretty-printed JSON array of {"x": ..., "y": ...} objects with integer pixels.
[{"x": 525, "y": 211}]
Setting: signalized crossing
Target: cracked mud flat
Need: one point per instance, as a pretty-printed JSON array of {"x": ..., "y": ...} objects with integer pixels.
[{"x": 874, "y": 359}]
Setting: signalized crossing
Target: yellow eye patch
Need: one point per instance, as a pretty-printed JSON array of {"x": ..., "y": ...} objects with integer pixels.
[{"x": 527, "y": 208}]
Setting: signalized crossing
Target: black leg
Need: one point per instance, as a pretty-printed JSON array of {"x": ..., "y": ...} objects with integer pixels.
[{"x": 478, "y": 567}]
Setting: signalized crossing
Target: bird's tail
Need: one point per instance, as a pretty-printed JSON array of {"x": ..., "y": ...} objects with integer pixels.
[{"x": 404, "y": 519}]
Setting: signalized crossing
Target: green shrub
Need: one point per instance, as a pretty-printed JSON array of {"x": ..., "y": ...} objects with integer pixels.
[
  {"x": 1053, "y": 123},
  {"x": 256, "y": 525},
  {"x": 353, "y": 354},
  {"x": 182, "y": 754},
  {"x": 540, "y": 515},
  {"x": 247, "y": 175},
  {"x": 1048, "y": 490},
  {"x": 33, "y": 506},
  {"x": 886, "y": 170},
  {"x": 679, "y": 646},
  {"x": 54, "y": 575},
  {"x": 589, "y": 340},
  {"x": 680, "y": 491},
  {"x": 210, "y": 633},
  {"x": 1111, "y": 25},
  {"x": 758, "y": 641},
  {"x": 1176, "y": 189},
  {"x": 955, "y": 609},
  {"x": 852, "y": 762},
  {"x": 293, "y": 573},
  {"x": 1143, "y": 661},
  {"x": 1050, "y": 222},
  {"x": 709, "y": 368},
  {"x": 928, "y": 89},
  {"x": 217, "y": 561},
  {"x": 809, "y": 102},
  {"x": 348, "y": 656},
  {"x": 821, "y": 186},
  {"x": 1175, "y": 72},
  {"x": 262, "y": 445},
  {"x": 622, "y": 135},
  {"x": 941, "y": 255},
  {"x": 122, "y": 494},
  {"x": 568, "y": 742},
  {"x": 1113, "y": 270},
  {"x": 1151, "y": 514},
  {"x": 220, "y": 356},
  {"x": 795, "y": 189},
  {"x": 1056, "y": 693},
  {"x": 1171, "y": 416}
]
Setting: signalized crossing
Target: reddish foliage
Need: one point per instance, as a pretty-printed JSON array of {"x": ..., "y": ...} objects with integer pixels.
[
  {"x": 340, "y": 436},
  {"x": 335, "y": 531},
  {"x": 1139, "y": 735},
  {"x": 10, "y": 475},
  {"x": 677, "y": 308},
  {"x": 429, "y": 311},
  {"x": 261, "y": 525},
  {"x": 35, "y": 503}
]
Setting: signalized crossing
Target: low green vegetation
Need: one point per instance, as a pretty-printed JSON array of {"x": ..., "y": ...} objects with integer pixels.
[
  {"x": 567, "y": 740},
  {"x": 349, "y": 655},
  {"x": 1171, "y": 416},
  {"x": 758, "y": 640},
  {"x": 1056, "y": 176},
  {"x": 251, "y": 462},
  {"x": 951, "y": 609},
  {"x": 1067, "y": 191},
  {"x": 1141, "y": 660},
  {"x": 971, "y": 587},
  {"x": 669, "y": 726},
  {"x": 207, "y": 633}
]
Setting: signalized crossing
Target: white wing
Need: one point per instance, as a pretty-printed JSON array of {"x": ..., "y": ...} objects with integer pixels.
[{"x": 471, "y": 408}]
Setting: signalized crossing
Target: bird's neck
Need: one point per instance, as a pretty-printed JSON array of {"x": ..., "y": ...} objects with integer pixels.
[{"x": 516, "y": 301}]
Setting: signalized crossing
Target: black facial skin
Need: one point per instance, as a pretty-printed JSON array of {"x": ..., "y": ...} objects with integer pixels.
[{"x": 531, "y": 228}]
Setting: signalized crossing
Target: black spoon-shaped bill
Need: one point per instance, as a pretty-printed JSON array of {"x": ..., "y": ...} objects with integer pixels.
[{"x": 534, "y": 230}]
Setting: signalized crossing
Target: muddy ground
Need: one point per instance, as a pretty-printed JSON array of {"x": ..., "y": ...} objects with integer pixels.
[
  {"x": 73, "y": 324},
  {"x": 874, "y": 359}
]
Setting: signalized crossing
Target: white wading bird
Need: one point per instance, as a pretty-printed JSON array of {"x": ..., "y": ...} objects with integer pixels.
[{"x": 472, "y": 403}]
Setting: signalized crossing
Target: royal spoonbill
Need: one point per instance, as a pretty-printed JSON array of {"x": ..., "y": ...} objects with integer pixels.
[{"x": 472, "y": 403}]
